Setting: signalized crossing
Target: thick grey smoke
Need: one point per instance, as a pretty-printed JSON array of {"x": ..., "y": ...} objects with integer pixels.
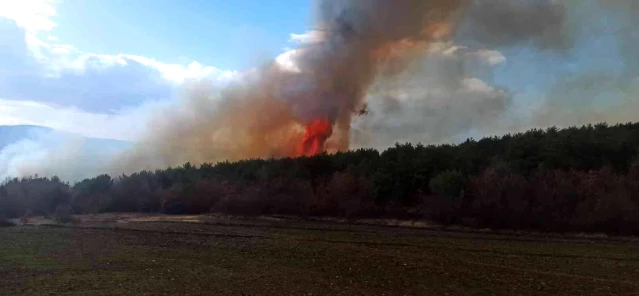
[
  {"x": 447, "y": 96},
  {"x": 434, "y": 101},
  {"x": 497, "y": 23},
  {"x": 267, "y": 113},
  {"x": 423, "y": 71},
  {"x": 591, "y": 42},
  {"x": 606, "y": 89},
  {"x": 421, "y": 68}
]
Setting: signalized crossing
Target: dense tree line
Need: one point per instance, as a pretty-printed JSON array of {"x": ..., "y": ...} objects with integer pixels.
[{"x": 574, "y": 179}]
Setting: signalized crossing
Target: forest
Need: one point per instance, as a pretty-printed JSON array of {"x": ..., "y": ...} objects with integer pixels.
[{"x": 560, "y": 180}]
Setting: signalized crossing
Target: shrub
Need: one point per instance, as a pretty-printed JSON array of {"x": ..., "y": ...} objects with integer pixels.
[
  {"x": 63, "y": 214},
  {"x": 439, "y": 208},
  {"x": 6, "y": 223},
  {"x": 170, "y": 202},
  {"x": 448, "y": 184},
  {"x": 247, "y": 201},
  {"x": 342, "y": 195},
  {"x": 496, "y": 199}
]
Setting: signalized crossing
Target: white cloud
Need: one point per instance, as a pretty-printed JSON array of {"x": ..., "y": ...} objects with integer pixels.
[
  {"x": 32, "y": 15},
  {"x": 126, "y": 125},
  {"x": 309, "y": 37},
  {"x": 35, "y": 17},
  {"x": 477, "y": 85},
  {"x": 179, "y": 73},
  {"x": 51, "y": 83},
  {"x": 62, "y": 57},
  {"x": 65, "y": 57},
  {"x": 492, "y": 57},
  {"x": 286, "y": 60},
  {"x": 447, "y": 49}
]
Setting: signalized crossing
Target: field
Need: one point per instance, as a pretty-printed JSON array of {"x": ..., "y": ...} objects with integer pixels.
[{"x": 158, "y": 255}]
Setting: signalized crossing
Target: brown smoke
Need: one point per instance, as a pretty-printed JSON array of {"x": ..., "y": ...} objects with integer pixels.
[
  {"x": 361, "y": 38},
  {"x": 266, "y": 115},
  {"x": 371, "y": 53}
]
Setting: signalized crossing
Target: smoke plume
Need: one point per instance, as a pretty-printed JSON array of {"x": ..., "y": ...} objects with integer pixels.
[
  {"x": 376, "y": 72},
  {"x": 497, "y": 23},
  {"x": 604, "y": 89},
  {"x": 274, "y": 112}
]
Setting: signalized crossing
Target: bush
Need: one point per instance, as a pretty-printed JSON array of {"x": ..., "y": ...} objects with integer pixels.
[
  {"x": 6, "y": 223},
  {"x": 439, "y": 208},
  {"x": 448, "y": 184},
  {"x": 63, "y": 215},
  {"x": 246, "y": 201}
]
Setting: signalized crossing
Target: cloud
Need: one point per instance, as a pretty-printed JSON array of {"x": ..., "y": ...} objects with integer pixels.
[
  {"x": 32, "y": 15},
  {"x": 125, "y": 125},
  {"x": 286, "y": 60},
  {"x": 308, "y": 37},
  {"x": 48, "y": 82},
  {"x": 477, "y": 86},
  {"x": 492, "y": 57},
  {"x": 65, "y": 75}
]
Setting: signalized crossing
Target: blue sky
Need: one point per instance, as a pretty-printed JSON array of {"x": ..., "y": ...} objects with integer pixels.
[
  {"x": 227, "y": 34},
  {"x": 114, "y": 61}
]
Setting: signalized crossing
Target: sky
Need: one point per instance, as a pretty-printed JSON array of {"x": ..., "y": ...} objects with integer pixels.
[
  {"x": 113, "y": 69},
  {"x": 227, "y": 34},
  {"x": 75, "y": 65},
  {"x": 81, "y": 65}
]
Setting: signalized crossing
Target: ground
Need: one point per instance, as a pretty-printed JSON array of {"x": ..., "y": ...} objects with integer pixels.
[{"x": 219, "y": 256}]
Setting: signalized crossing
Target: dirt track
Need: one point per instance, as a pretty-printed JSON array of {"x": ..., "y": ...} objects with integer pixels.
[{"x": 217, "y": 256}]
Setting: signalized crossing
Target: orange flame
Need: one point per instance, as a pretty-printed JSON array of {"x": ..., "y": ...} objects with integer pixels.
[{"x": 314, "y": 137}]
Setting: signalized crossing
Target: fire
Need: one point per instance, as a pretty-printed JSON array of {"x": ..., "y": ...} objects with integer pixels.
[
  {"x": 314, "y": 137},
  {"x": 393, "y": 56}
]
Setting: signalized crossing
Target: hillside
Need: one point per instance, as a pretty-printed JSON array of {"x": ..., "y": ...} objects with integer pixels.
[
  {"x": 10, "y": 134},
  {"x": 574, "y": 179}
]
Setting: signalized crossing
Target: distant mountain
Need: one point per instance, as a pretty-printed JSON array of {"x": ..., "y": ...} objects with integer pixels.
[
  {"x": 12, "y": 134},
  {"x": 28, "y": 149}
]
